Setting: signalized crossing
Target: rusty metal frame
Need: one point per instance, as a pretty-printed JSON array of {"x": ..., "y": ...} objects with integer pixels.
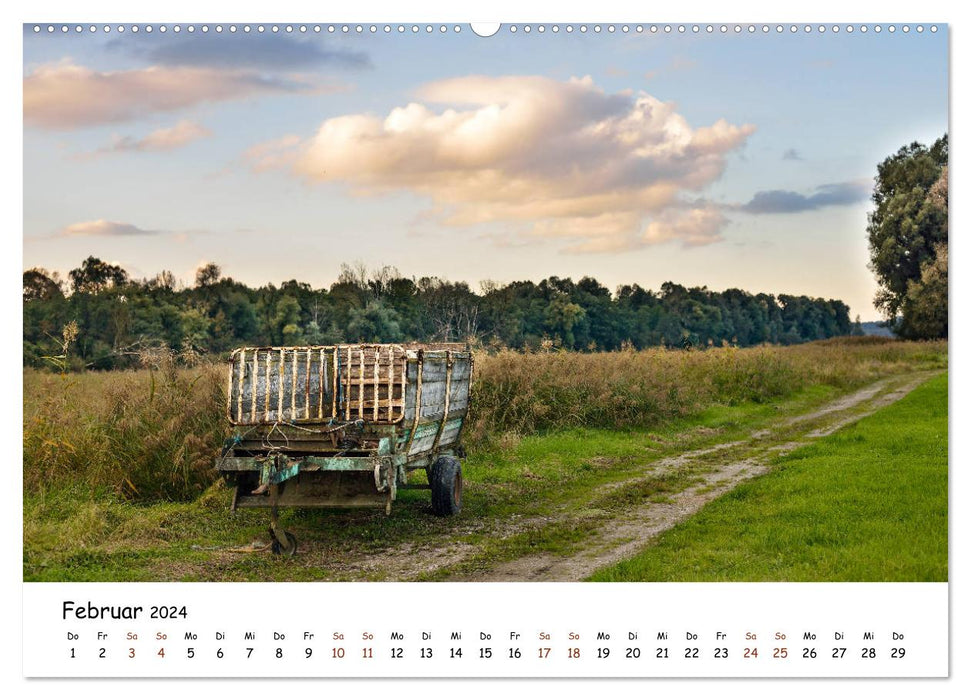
[
  {"x": 279, "y": 388},
  {"x": 420, "y": 363},
  {"x": 322, "y": 377},
  {"x": 337, "y": 372},
  {"x": 293, "y": 384},
  {"x": 448, "y": 397},
  {"x": 266, "y": 400},
  {"x": 239, "y": 386},
  {"x": 404, "y": 384},
  {"x": 256, "y": 369},
  {"x": 360, "y": 385},
  {"x": 374, "y": 397}
]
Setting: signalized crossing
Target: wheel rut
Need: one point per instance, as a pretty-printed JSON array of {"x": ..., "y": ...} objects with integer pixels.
[{"x": 624, "y": 534}]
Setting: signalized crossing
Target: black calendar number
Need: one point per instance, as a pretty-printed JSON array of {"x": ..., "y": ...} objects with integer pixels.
[
  {"x": 721, "y": 653},
  {"x": 662, "y": 652},
  {"x": 426, "y": 652},
  {"x": 279, "y": 653},
  {"x": 897, "y": 653},
  {"x": 101, "y": 653},
  {"x": 219, "y": 653},
  {"x": 633, "y": 653},
  {"x": 308, "y": 652},
  {"x": 485, "y": 652},
  {"x": 603, "y": 652},
  {"x": 868, "y": 653},
  {"x": 515, "y": 653},
  {"x": 839, "y": 652},
  {"x": 455, "y": 653},
  {"x": 249, "y": 652},
  {"x": 397, "y": 652},
  {"x": 691, "y": 653},
  {"x": 190, "y": 653},
  {"x": 808, "y": 653}
]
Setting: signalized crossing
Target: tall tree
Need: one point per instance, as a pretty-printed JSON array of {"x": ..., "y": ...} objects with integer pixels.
[
  {"x": 906, "y": 225},
  {"x": 95, "y": 276},
  {"x": 924, "y": 310},
  {"x": 41, "y": 284},
  {"x": 207, "y": 275}
]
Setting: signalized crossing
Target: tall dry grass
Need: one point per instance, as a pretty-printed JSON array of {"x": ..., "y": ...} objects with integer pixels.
[
  {"x": 149, "y": 435},
  {"x": 145, "y": 434},
  {"x": 524, "y": 393}
]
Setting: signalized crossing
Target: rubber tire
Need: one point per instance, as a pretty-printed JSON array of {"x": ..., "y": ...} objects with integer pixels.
[
  {"x": 289, "y": 549},
  {"x": 445, "y": 478}
]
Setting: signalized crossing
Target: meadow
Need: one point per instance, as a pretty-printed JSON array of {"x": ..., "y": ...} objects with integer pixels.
[
  {"x": 119, "y": 484},
  {"x": 868, "y": 503}
]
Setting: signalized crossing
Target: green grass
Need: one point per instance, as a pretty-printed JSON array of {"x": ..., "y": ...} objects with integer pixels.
[
  {"x": 118, "y": 477},
  {"x": 76, "y": 534},
  {"x": 868, "y": 503}
]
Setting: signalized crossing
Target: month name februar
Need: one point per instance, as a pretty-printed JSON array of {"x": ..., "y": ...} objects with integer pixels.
[{"x": 90, "y": 611}]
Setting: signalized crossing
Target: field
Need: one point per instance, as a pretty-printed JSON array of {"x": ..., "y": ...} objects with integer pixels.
[
  {"x": 868, "y": 503},
  {"x": 576, "y": 461}
]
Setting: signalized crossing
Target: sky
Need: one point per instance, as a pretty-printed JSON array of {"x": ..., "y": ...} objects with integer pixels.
[{"x": 738, "y": 160}]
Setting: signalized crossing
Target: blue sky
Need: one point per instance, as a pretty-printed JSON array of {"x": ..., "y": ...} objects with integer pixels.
[{"x": 731, "y": 161}]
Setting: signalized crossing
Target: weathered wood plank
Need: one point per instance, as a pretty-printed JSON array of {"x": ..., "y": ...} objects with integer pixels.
[
  {"x": 435, "y": 370},
  {"x": 449, "y": 437}
]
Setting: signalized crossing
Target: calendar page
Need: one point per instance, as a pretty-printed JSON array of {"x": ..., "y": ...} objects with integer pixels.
[{"x": 518, "y": 350}]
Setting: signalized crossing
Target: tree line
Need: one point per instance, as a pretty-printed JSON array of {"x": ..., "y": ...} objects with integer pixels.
[{"x": 101, "y": 318}]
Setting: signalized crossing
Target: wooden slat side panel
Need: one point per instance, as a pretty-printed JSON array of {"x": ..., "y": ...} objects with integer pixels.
[
  {"x": 371, "y": 379},
  {"x": 270, "y": 385},
  {"x": 315, "y": 384}
]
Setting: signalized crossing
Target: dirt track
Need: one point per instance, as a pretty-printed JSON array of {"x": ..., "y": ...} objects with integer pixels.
[
  {"x": 623, "y": 536},
  {"x": 618, "y": 521}
]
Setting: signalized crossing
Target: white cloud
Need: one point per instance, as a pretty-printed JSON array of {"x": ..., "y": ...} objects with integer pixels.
[
  {"x": 565, "y": 158},
  {"x": 165, "y": 139},
  {"x": 272, "y": 154},
  {"x": 101, "y": 227},
  {"x": 694, "y": 227},
  {"x": 64, "y": 95}
]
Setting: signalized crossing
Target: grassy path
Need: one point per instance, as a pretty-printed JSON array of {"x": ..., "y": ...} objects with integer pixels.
[
  {"x": 867, "y": 503},
  {"x": 553, "y": 507},
  {"x": 629, "y": 515}
]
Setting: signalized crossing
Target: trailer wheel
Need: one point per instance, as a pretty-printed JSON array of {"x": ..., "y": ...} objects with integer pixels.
[
  {"x": 288, "y": 548},
  {"x": 445, "y": 478}
]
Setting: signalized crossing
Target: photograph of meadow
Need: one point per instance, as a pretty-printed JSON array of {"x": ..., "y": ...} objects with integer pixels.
[{"x": 552, "y": 305}]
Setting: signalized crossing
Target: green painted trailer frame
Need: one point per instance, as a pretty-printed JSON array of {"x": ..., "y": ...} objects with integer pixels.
[{"x": 345, "y": 426}]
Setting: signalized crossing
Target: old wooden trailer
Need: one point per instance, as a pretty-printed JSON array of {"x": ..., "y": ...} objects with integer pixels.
[{"x": 345, "y": 426}]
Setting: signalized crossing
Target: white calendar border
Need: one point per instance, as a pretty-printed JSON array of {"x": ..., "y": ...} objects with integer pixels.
[{"x": 507, "y": 10}]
